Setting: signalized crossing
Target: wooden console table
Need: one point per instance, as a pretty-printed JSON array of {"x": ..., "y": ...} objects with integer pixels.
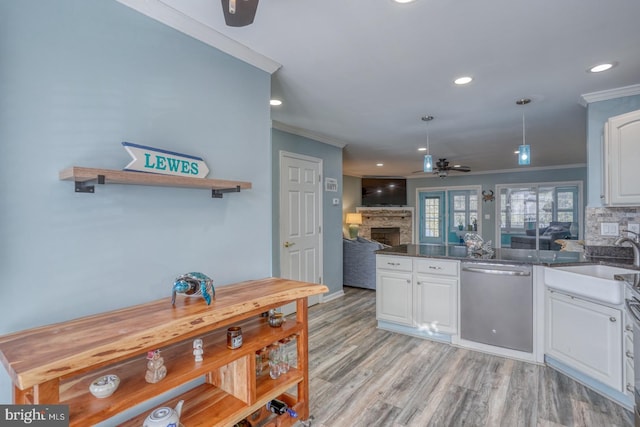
[{"x": 55, "y": 364}]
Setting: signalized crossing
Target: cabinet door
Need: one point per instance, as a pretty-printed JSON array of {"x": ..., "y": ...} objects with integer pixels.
[
  {"x": 393, "y": 297},
  {"x": 622, "y": 156},
  {"x": 585, "y": 336},
  {"x": 436, "y": 303}
]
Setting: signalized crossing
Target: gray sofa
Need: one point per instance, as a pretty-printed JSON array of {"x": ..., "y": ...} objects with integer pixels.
[
  {"x": 359, "y": 262},
  {"x": 548, "y": 236}
]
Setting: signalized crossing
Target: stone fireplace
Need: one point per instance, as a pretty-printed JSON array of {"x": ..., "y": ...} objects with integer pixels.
[
  {"x": 391, "y": 226},
  {"x": 387, "y": 235}
]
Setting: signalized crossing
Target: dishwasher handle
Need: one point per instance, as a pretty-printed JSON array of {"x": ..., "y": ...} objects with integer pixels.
[{"x": 497, "y": 271}]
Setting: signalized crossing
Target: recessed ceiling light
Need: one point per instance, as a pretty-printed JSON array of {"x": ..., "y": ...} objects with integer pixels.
[
  {"x": 379, "y": 164},
  {"x": 601, "y": 67},
  {"x": 404, "y": 1},
  {"x": 463, "y": 80},
  {"x": 422, "y": 149},
  {"x": 275, "y": 102}
]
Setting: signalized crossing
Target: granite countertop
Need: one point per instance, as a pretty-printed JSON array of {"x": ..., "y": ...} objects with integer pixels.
[{"x": 501, "y": 255}]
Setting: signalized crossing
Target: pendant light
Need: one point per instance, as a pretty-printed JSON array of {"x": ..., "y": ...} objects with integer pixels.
[
  {"x": 428, "y": 160},
  {"x": 524, "y": 151}
]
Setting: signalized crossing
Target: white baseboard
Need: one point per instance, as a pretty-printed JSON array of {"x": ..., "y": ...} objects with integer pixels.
[{"x": 331, "y": 297}]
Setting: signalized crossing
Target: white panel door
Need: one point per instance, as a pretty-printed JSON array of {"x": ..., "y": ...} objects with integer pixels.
[{"x": 300, "y": 220}]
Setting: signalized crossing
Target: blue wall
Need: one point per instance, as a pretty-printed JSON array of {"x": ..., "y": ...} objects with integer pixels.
[
  {"x": 332, "y": 215},
  {"x": 77, "y": 77},
  {"x": 597, "y": 115}
]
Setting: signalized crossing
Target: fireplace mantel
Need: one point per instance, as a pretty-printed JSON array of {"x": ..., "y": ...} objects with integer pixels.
[{"x": 387, "y": 217}]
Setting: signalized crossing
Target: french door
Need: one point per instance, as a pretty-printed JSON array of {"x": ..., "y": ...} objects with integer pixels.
[
  {"x": 432, "y": 217},
  {"x": 446, "y": 215}
]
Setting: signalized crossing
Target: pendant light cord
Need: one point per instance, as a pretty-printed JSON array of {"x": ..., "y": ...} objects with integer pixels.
[{"x": 523, "y": 133}]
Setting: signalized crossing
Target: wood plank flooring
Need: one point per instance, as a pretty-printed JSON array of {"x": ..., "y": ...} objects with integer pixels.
[{"x": 363, "y": 376}]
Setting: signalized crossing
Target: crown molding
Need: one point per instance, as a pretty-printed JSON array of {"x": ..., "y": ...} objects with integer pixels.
[
  {"x": 499, "y": 171},
  {"x": 177, "y": 20},
  {"x": 307, "y": 134},
  {"x": 605, "y": 95}
]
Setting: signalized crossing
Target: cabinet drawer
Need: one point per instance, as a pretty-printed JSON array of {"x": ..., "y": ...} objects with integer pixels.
[
  {"x": 437, "y": 266},
  {"x": 396, "y": 263}
]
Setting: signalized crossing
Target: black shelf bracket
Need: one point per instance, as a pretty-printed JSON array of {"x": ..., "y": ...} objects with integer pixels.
[
  {"x": 82, "y": 187},
  {"x": 217, "y": 193}
]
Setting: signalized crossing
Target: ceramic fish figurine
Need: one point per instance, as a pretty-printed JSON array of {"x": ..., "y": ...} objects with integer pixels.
[{"x": 194, "y": 284}]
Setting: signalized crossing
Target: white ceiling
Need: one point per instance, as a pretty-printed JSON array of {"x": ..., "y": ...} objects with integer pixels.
[{"x": 363, "y": 72}]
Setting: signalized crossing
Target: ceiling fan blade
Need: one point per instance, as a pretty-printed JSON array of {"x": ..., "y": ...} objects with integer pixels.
[{"x": 461, "y": 168}]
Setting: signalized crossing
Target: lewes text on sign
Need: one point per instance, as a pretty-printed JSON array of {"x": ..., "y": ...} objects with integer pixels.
[{"x": 156, "y": 160}]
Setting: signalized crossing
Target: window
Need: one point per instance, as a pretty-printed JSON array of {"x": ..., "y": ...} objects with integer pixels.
[
  {"x": 524, "y": 208},
  {"x": 464, "y": 208},
  {"x": 432, "y": 216}
]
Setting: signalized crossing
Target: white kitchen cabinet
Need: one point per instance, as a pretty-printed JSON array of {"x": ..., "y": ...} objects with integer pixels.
[
  {"x": 436, "y": 295},
  {"x": 394, "y": 289},
  {"x": 621, "y": 159},
  {"x": 586, "y": 336}
]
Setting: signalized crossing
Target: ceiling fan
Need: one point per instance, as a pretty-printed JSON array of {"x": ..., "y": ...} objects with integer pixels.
[
  {"x": 442, "y": 168},
  {"x": 239, "y": 13}
]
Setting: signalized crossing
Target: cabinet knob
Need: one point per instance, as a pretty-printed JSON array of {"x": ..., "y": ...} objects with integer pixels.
[
  {"x": 408, "y": 281},
  {"x": 629, "y": 354},
  {"x": 630, "y": 387},
  {"x": 613, "y": 319},
  {"x": 628, "y": 328}
]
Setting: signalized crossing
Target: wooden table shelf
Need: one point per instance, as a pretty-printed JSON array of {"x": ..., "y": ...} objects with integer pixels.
[
  {"x": 83, "y": 176},
  {"x": 44, "y": 370}
]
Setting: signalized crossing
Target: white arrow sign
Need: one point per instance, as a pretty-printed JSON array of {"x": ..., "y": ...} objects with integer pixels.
[{"x": 157, "y": 160}]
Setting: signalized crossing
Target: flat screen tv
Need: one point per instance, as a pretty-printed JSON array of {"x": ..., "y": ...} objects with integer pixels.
[{"x": 384, "y": 192}]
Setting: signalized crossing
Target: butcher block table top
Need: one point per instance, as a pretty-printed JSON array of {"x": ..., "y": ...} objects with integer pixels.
[{"x": 37, "y": 355}]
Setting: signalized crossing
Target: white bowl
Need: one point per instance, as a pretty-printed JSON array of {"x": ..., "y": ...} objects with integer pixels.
[{"x": 104, "y": 386}]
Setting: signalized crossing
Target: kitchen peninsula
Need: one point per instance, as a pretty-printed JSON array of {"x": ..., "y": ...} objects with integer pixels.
[{"x": 510, "y": 304}]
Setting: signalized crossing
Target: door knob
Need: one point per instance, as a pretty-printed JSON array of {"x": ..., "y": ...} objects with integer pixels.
[{"x": 288, "y": 244}]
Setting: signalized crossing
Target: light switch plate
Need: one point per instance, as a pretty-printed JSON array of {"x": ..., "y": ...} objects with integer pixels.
[
  {"x": 487, "y": 216},
  {"x": 336, "y": 202},
  {"x": 609, "y": 229}
]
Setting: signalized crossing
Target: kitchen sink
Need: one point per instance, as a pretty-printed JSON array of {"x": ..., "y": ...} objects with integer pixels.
[{"x": 591, "y": 281}]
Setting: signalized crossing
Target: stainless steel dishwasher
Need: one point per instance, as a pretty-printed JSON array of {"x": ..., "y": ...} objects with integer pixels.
[{"x": 496, "y": 305}]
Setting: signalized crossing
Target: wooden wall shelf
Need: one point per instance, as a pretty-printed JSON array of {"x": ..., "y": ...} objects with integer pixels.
[
  {"x": 55, "y": 364},
  {"x": 84, "y": 177}
]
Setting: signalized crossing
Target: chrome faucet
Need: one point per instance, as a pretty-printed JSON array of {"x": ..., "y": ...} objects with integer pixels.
[{"x": 635, "y": 244}]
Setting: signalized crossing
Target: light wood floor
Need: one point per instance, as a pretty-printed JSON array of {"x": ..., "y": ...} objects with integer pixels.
[{"x": 362, "y": 376}]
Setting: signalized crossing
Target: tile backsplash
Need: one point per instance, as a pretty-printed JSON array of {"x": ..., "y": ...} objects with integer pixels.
[
  {"x": 594, "y": 217},
  {"x": 599, "y": 245}
]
